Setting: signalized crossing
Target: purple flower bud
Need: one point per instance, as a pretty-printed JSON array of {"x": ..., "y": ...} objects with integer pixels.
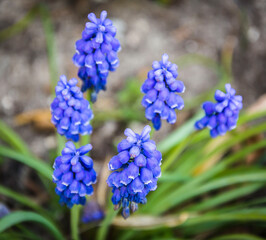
[
  {"x": 146, "y": 175},
  {"x": 123, "y": 145},
  {"x": 123, "y": 157},
  {"x": 114, "y": 163},
  {"x": 137, "y": 185},
  {"x": 134, "y": 151}
]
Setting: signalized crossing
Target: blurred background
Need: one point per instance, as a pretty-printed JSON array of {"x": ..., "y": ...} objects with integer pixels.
[{"x": 212, "y": 42}]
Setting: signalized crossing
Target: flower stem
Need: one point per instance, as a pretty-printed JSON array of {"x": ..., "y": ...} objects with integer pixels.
[{"x": 74, "y": 222}]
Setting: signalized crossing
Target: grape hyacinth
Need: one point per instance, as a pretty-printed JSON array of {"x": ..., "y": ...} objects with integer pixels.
[
  {"x": 92, "y": 212},
  {"x": 71, "y": 113},
  {"x": 160, "y": 88},
  {"x": 221, "y": 116},
  {"x": 74, "y": 174},
  {"x": 96, "y": 53},
  {"x": 136, "y": 170},
  {"x": 3, "y": 210}
]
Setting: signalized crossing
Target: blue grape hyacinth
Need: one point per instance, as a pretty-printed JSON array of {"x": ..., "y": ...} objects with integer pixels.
[
  {"x": 160, "y": 89},
  {"x": 96, "y": 53},
  {"x": 136, "y": 170},
  {"x": 74, "y": 174},
  {"x": 221, "y": 116},
  {"x": 71, "y": 113},
  {"x": 92, "y": 212}
]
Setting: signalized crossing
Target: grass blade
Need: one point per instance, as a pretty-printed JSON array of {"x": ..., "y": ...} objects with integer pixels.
[
  {"x": 23, "y": 216},
  {"x": 21, "y": 199},
  {"x": 247, "y": 215},
  {"x": 238, "y": 237},
  {"x": 225, "y": 197},
  {"x": 40, "y": 166},
  {"x": 9, "y": 136},
  {"x": 172, "y": 198}
]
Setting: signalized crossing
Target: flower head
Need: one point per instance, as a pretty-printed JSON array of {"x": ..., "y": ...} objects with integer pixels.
[
  {"x": 74, "y": 174},
  {"x": 71, "y": 113},
  {"x": 92, "y": 212},
  {"x": 136, "y": 170},
  {"x": 160, "y": 90},
  {"x": 221, "y": 116},
  {"x": 96, "y": 53}
]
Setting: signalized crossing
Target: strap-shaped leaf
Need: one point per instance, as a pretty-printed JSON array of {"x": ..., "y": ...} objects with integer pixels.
[
  {"x": 23, "y": 216},
  {"x": 35, "y": 163}
]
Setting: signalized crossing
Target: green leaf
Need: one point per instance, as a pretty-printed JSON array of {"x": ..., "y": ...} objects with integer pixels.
[
  {"x": 173, "y": 178},
  {"x": 10, "y": 137},
  {"x": 224, "y": 197},
  {"x": 220, "y": 183},
  {"x": 23, "y": 216},
  {"x": 175, "y": 197},
  {"x": 238, "y": 237},
  {"x": 20, "y": 198},
  {"x": 40, "y": 166},
  {"x": 246, "y": 215}
]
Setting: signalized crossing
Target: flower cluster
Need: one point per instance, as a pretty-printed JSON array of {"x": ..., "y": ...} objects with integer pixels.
[
  {"x": 136, "y": 170},
  {"x": 221, "y": 116},
  {"x": 71, "y": 113},
  {"x": 96, "y": 53},
  {"x": 74, "y": 174},
  {"x": 92, "y": 212},
  {"x": 160, "y": 90}
]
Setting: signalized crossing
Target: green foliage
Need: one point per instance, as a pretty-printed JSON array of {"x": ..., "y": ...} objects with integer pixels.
[
  {"x": 22, "y": 216},
  {"x": 39, "y": 165}
]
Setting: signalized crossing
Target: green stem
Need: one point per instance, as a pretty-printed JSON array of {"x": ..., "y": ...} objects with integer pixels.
[{"x": 74, "y": 222}]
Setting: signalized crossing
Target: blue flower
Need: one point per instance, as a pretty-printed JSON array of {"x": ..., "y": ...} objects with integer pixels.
[
  {"x": 74, "y": 174},
  {"x": 221, "y": 116},
  {"x": 71, "y": 113},
  {"x": 3, "y": 210},
  {"x": 92, "y": 212},
  {"x": 136, "y": 170},
  {"x": 160, "y": 88},
  {"x": 96, "y": 53}
]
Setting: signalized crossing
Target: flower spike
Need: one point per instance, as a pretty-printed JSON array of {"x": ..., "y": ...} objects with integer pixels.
[
  {"x": 160, "y": 90},
  {"x": 136, "y": 169},
  {"x": 96, "y": 53},
  {"x": 74, "y": 175},
  {"x": 221, "y": 116},
  {"x": 71, "y": 113}
]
